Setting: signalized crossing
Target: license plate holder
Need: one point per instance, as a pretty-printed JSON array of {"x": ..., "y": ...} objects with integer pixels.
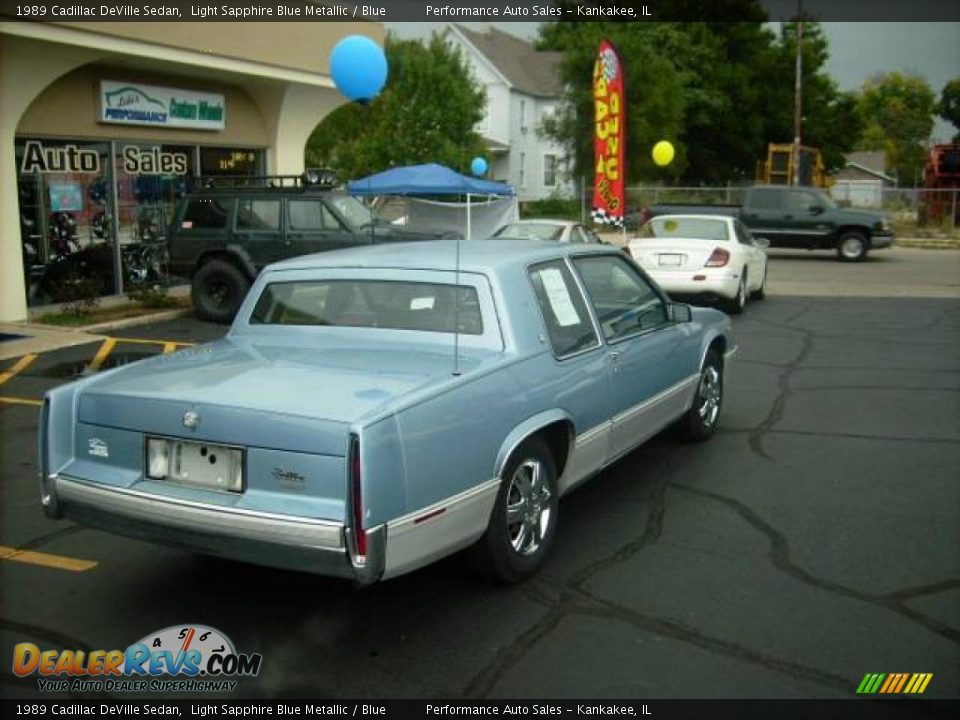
[
  {"x": 208, "y": 466},
  {"x": 670, "y": 259}
]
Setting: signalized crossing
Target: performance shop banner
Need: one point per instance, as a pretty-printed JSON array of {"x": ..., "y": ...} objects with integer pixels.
[{"x": 609, "y": 137}]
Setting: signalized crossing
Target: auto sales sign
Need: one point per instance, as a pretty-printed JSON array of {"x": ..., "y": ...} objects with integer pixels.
[{"x": 128, "y": 103}]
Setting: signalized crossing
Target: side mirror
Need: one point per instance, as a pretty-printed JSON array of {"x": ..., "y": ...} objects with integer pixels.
[{"x": 679, "y": 313}]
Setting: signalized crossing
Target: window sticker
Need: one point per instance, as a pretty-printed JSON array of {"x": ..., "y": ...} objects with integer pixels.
[
  {"x": 422, "y": 303},
  {"x": 559, "y": 297},
  {"x": 670, "y": 226}
]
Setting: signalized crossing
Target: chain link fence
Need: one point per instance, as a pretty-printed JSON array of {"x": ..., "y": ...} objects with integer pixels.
[{"x": 911, "y": 209}]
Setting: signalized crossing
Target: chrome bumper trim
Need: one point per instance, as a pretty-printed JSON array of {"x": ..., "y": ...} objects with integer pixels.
[
  {"x": 285, "y": 541},
  {"x": 247, "y": 524}
]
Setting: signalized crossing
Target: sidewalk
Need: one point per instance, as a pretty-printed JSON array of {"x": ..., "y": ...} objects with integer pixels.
[{"x": 36, "y": 338}]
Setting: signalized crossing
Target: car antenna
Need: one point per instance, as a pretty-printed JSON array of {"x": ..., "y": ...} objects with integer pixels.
[{"x": 456, "y": 299}]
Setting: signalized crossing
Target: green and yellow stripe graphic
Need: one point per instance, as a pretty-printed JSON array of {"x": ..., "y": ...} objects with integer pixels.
[{"x": 894, "y": 683}]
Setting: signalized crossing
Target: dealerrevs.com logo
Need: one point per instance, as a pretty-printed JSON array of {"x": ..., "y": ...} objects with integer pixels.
[{"x": 180, "y": 658}]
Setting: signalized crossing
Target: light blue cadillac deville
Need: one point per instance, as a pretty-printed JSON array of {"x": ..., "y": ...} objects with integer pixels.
[{"x": 374, "y": 409}]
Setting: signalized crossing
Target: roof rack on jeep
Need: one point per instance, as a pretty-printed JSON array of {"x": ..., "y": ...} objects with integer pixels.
[{"x": 309, "y": 179}]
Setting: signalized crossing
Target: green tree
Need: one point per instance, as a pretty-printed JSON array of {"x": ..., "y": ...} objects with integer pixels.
[
  {"x": 655, "y": 96},
  {"x": 720, "y": 91},
  {"x": 426, "y": 113},
  {"x": 727, "y": 83},
  {"x": 949, "y": 106},
  {"x": 897, "y": 112}
]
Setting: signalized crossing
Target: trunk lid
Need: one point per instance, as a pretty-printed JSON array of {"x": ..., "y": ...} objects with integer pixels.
[
  {"x": 291, "y": 397},
  {"x": 674, "y": 255}
]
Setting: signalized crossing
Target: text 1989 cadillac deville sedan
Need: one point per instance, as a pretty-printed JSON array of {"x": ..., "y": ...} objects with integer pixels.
[{"x": 374, "y": 409}]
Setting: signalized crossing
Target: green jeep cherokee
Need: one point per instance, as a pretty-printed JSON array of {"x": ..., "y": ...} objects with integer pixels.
[{"x": 221, "y": 237}]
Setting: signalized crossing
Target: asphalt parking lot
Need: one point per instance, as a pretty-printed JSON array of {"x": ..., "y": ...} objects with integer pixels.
[{"x": 812, "y": 541}]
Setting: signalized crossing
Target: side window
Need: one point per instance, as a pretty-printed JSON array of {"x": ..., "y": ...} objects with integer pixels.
[
  {"x": 800, "y": 200},
  {"x": 765, "y": 199},
  {"x": 330, "y": 221},
  {"x": 258, "y": 215},
  {"x": 304, "y": 215},
  {"x": 563, "y": 310},
  {"x": 625, "y": 302},
  {"x": 205, "y": 214}
]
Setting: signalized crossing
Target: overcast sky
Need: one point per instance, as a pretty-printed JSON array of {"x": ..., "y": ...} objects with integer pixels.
[{"x": 857, "y": 51}]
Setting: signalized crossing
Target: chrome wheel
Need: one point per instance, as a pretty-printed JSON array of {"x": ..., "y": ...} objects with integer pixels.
[
  {"x": 709, "y": 396},
  {"x": 528, "y": 507},
  {"x": 853, "y": 247}
]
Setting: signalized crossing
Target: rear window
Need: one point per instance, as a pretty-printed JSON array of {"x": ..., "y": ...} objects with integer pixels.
[
  {"x": 679, "y": 227},
  {"x": 427, "y": 307},
  {"x": 205, "y": 214},
  {"x": 530, "y": 231}
]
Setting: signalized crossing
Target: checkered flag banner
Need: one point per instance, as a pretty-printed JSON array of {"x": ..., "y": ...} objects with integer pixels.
[{"x": 602, "y": 217}]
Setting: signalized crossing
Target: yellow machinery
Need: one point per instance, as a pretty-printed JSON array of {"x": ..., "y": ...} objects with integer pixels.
[{"x": 778, "y": 168}]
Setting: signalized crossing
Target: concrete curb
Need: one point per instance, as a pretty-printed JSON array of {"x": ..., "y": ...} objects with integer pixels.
[
  {"x": 43, "y": 338},
  {"x": 145, "y": 319},
  {"x": 930, "y": 243}
]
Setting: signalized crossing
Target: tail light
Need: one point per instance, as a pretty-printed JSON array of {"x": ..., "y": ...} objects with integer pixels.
[
  {"x": 718, "y": 258},
  {"x": 43, "y": 440},
  {"x": 356, "y": 499}
]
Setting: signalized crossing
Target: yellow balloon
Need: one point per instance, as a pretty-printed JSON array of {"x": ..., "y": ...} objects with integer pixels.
[{"x": 663, "y": 153}]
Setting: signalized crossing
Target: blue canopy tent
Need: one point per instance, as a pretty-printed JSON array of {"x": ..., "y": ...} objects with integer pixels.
[{"x": 429, "y": 179}]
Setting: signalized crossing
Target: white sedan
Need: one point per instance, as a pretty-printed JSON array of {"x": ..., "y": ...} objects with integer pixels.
[
  {"x": 710, "y": 257},
  {"x": 543, "y": 229}
]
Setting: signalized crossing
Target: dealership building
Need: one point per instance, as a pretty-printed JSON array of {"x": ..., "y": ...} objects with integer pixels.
[{"x": 102, "y": 125}]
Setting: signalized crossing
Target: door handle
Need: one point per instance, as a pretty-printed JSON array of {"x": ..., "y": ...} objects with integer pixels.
[{"x": 613, "y": 356}]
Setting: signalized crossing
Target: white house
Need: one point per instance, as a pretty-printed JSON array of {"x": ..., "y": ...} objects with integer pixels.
[
  {"x": 523, "y": 87},
  {"x": 862, "y": 180}
]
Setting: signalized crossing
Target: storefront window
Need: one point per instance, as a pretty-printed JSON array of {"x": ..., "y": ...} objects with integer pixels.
[
  {"x": 65, "y": 206},
  {"x": 152, "y": 178},
  {"x": 238, "y": 162},
  {"x": 70, "y": 229}
]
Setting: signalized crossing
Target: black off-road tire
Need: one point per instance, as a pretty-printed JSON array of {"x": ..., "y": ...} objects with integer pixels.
[
  {"x": 501, "y": 554},
  {"x": 217, "y": 290}
]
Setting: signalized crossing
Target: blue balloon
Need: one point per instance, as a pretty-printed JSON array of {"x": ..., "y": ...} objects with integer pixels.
[
  {"x": 478, "y": 166},
  {"x": 358, "y": 67}
]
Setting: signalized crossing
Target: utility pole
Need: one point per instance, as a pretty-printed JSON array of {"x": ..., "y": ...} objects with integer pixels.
[{"x": 798, "y": 97}]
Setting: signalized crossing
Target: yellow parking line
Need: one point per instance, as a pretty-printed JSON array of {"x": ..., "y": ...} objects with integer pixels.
[
  {"x": 20, "y": 401},
  {"x": 59, "y": 562},
  {"x": 105, "y": 349},
  {"x": 169, "y": 347},
  {"x": 19, "y": 366},
  {"x": 144, "y": 341}
]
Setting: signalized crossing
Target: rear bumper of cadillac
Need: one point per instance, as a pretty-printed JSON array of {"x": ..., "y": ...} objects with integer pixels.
[{"x": 284, "y": 541}]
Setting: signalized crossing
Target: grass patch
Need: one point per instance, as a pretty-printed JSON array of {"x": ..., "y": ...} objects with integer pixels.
[{"x": 100, "y": 315}]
